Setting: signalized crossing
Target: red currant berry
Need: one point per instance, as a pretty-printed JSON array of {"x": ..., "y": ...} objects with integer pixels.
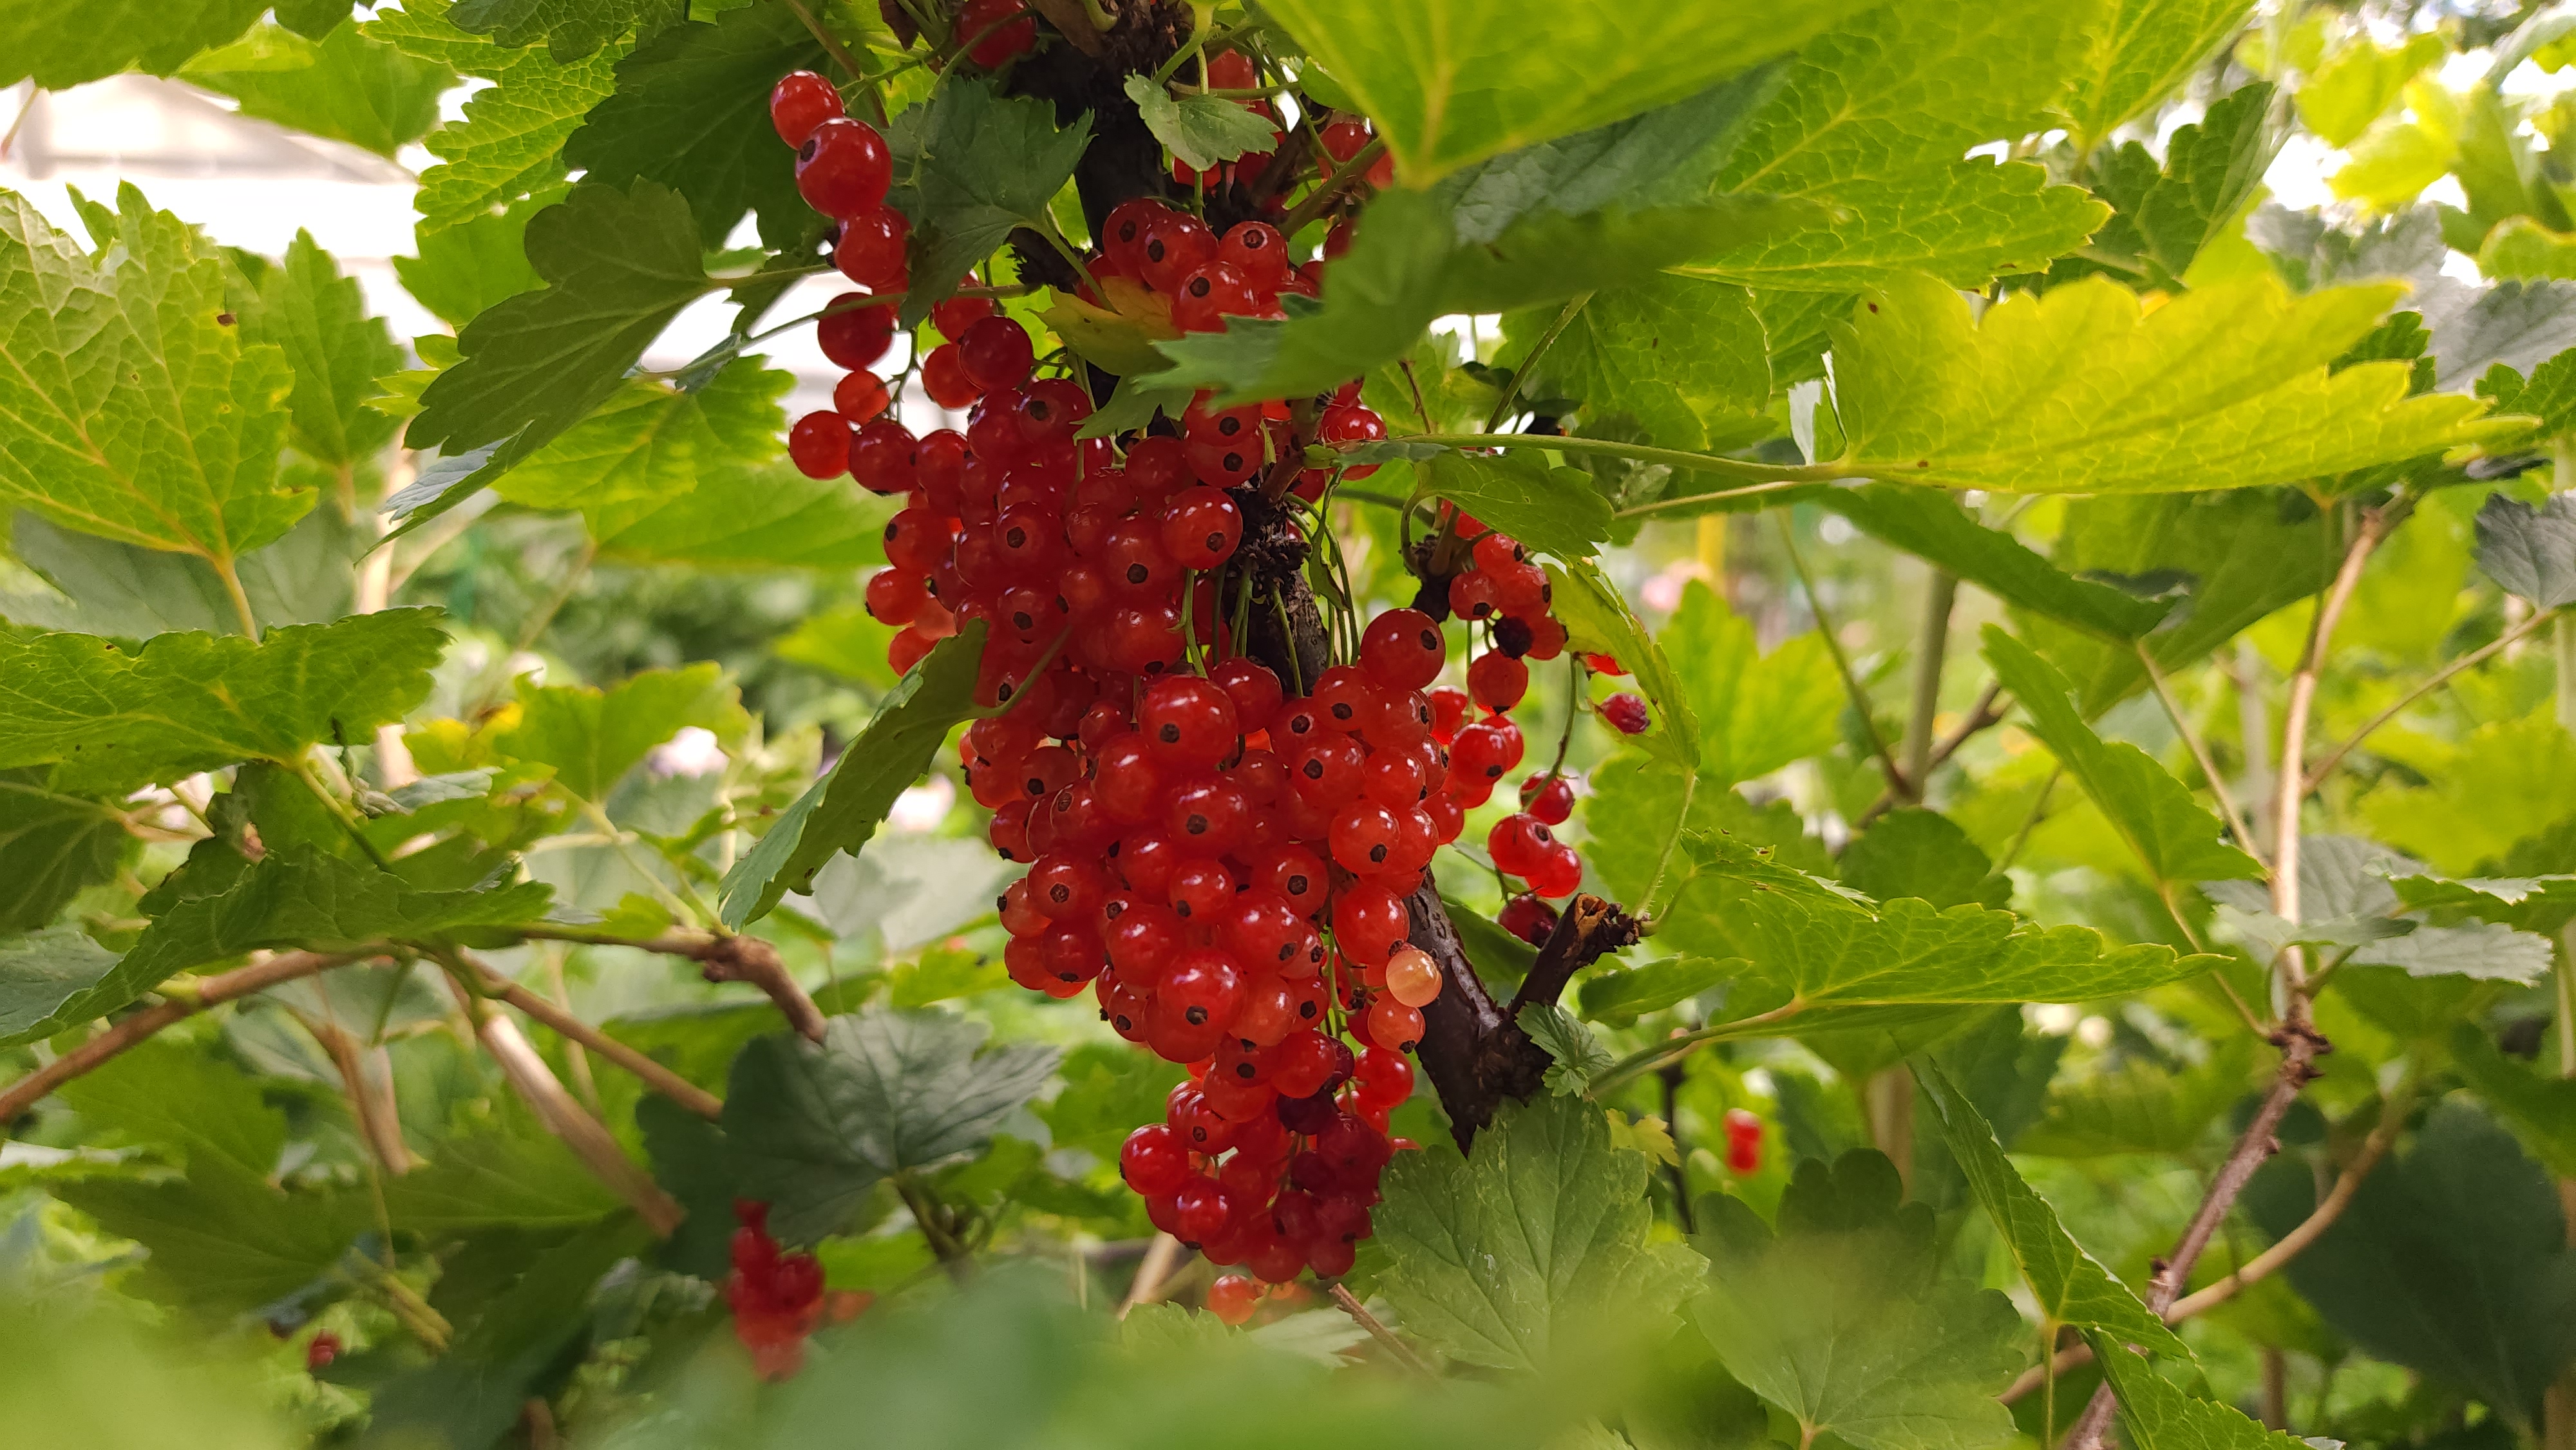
[
  {"x": 1200, "y": 528},
  {"x": 1343, "y": 139},
  {"x": 819, "y": 445},
  {"x": 1188, "y": 723},
  {"x": 1365, "y": 837},
  {"x": 855, "y": 332},
  {"x": 996, "y": 31},
  {"x": 1548, "y": 797},
  {"x": 860, "y": 395},
  {"x": 1394, "y": 1026},
  {"x": 1402, "y": 649},
  {"x": 1743, "y": 1142},
  {"x": 1174, "y": 245},
  {"x": 871, "y": 249},
  {"x": 843, "y": 168},
  {"x": 1211, "y": 293},
  {"x": 1258, "y": 251},
  {"x": 1558, "y": 873},
  {"x": 800, "y": 102},
  {"x": 320, "y": 1350},
  {"x": 882, "y": 457},
  {"x": 1232, "y": 1298},
  {"x": 1627, "y": 713},
  {"x": 997, "y": 353},
  {"x": 957, "y": 314},
  {"x": 1155, "y": 1161},
  {"x": 945, "y": 379},
  {"x": 1448, "y": 712},
  {"x": 1497, "y": 680}
]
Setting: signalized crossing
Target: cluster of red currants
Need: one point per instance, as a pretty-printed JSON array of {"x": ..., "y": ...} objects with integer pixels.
[{"x": 777, "y": 1298}]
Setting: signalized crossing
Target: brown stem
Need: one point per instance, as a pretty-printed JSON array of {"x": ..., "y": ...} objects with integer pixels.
[
  {"x": 1984, "y": 715},
  {"x": 1474, "y": 1053},
  {"x": 654, "y": 1075},
  {"x": 720, "y": 959},
  {"x": 2317, "y": 773},
  {"x": 185, "y": 998},
  {"x": 1151, "y": 1275},
  {"x": 544, "y": 1094},
  {"x": 1590, "y": 929},
  {"x": 1378, "y": 1331},
  {"x": 367, "y": 1081}
]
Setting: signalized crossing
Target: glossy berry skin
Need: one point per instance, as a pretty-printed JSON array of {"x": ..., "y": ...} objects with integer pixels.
[
  {"x": 957, "y": 314},
  {"x": 871, "y": 249},
  {"x": 800, "y": 102},
  {"x": 1188, "y": 723},
  {"x": 996, "y": 353},
  {"x": 843, "y": 168},
  {"x": 1412, "y": 978},
  {"x": 1402, "y": 649},
  {"x": 1527, "y": 917},
  {"x": 1626, "y": 713},
  {"x": 1498, "y": 681},
  {"x": 1175, "y": 244},
  {"x": 1743, "y": 1142},
  {"x": 1201, "y": 527},
  {"x": 1394, "y": 1026},
  {"x": 1005, "y": 27},
  {"x": 1257, "y": 250},
  {"x": 1232, "y": 1298},
  {"x": 945, "y": 379},
  {"x": 819, "y": 445},
  {"x": 1155, "y": 1161},
  {"x": 854, "y": 336},
  {"x": 860, "y": 396},
  {"x": 1548, "y": 797}
]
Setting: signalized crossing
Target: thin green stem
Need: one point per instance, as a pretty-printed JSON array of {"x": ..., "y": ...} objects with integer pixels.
[
  {"x": 1520, "y": 375},
  {"x": 2317, "y": 773},
  {"x": 1200, "y": 40},
  {"x": 2236, "y": 820},
  {"x": 1100, "y": 19},
  {"x": 2030, "y": 823},
  {"x": 1072, "y": 257},
  {"x": 1940, "y": 596},
  {"x": 1673, "y": 1049},
  {"x": 1896, "y": 777},
  {"x": 1681, "y": 822}
]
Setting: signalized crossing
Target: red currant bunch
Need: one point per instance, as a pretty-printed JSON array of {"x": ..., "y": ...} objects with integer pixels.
[{"x": 777, "y": 1298}]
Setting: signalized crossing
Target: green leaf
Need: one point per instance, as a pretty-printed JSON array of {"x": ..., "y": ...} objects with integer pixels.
[
  {"x": 1930, "y": 524},
  {"x": 2141, "y": 1107},
  {"x": 2229, "y": 559},
  {"x": 189, "y": 702},
  {"x": 1843, "y": 1321},
  {"x": 1756, "y": 712},
  {"x": 318, "y": 318},
  {"x": 2080, "y": 390},
  {"x": 814, "y": 1126},
  {"x": 2141, "y": 50},
  {"x": 51, "y": 846},
  {"x": 651, "y": 443},
  {"x": 2359, "y": 82},
  {"x": 1450, "y": 83},
  {"x": 1498, "y": 956},
  {"x": 1579, "y": 1055},
  {"x": 2522, "y": 248},
  {"x": 1813, "y": 956},
  {"x": 475, "y": 1392},
  {"x": 63, "y": 43},
  {"x": 619, "y": 267},
  {"x": 691, "y": 111},
  {"x": 1533, "y": 1246},
  {"x": 1108, "y": 1090},
  {"x": 2543, "y": 904},
  {"x": 510, "y": 140},
  {"x": 1873, "y": 123},
  {"x": 347, "y": 87},
  {"x": 2542, "y": 1110},
  {"x": 571, "y": 29},
  {"x": 750, "y": 518},
  {"x": 1682, "y": 359},
  {"x": 1621, "y": 995},
  {"x": 224, "y": 1239},
  {"x": 2176, "y": 840},
  {"x": 593, "y": 737},
  {"x": 1202, "y": 131},
  {"x": 296, "y": 898},
  {"x": 130, "y": 407},
  {"x": 2485, "y": 950},
  {"x": 1555, "y": 511},
  {"x": 2483, "y": 792},
  {"x": 465, "y": 268},
  {"x": 2451, "y": 1260},
  {"x": 41, "y": 971},
  {"x": 2530, "y": 551},
  {"x": 2166, "y": 212},
  {"x": 492, "y": 1178},
  {"x": 1915, "y": 852},
  {"x": 841, "y": 811},
  {"x": 969, "y": 165},
  {"x": 2156, "y": 1414},
  {"x": 2070, "y": 1285},
  {"x": 108, "y": 588}
]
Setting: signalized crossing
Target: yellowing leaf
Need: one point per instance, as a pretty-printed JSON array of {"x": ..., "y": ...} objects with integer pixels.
[
  {"x": 2359, "y": 83},
  {"x": 2088, "y": 389},
  {"x": 1118, "y": 338},
  {"x": 2141, "y": 50},
  {"x": 2522, "y": 247}
]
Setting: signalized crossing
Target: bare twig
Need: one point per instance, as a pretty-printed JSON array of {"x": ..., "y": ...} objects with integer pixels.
[
  {"x": 184, "y": 998},
  {"x": 1590, "y": 929},
  {"x": 2332, "y": 758},
  {"x": 1378, "y": 1331},
  {"x": 1898, "y": 784},
  {"x": 367, "y": 1079},
  {"x": 654, "y": 1075},
  {"x": 721, "y": 959},
  {"x": 1982, "y": 716},
  {"x": 538, "y": 1087}
]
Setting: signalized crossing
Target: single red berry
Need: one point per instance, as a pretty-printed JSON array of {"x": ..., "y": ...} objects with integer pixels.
[
  {"x": 321, "y": 1350},
  {"x": 843, "y": 168},
  {"x": 1627, "y": 713},
  {"x": 871, "y": 249},
  {"x": 1558, "y": 871},
  {"x": 996, "y": 31},
  {"x": 1200, "y": 527},
  {"x": 861, "y": 395},
  {"x": 1232, "y": 1298},
  {"x": 1175, "y": 244},
  {"x": 1743, "y": 1142},
  {"x": 1527, "y": 917},
  {"x": 1603, "y": 664},
  {"x": 800, "y": 102},
  {"x": 1549, "y": 797},
  {"x": 945, "y": 379},
  {"x": 1257, "y": 250},
  {"x": 997, "y": 353},
  {"x": 1402, "y": 649},
  {"x": 854, "y": 332},
  {"x": 1497, "y": 680},
  {"x": 819, "y": 445},
  {"x": 957, "y": 314},
  {"x": 1343, "y": 139}
]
